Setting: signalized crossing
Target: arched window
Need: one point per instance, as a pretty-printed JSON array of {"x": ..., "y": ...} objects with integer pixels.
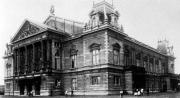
[
  {"x": 8, "y": 68},
  {"x": 116, "y": 54},
  {"x": 73, "y": 56},
  {"x": 95, "y": 48},
  {"x": 57, "y": 59}
]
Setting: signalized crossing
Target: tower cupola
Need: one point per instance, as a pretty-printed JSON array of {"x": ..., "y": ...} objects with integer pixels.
[{"x": 103, "y": 13}]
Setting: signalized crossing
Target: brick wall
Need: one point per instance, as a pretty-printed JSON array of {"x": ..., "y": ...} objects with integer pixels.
[{"x": 84, "y": 56}]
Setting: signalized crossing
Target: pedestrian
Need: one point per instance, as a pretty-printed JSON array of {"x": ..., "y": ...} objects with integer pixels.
[
  {"x": 31, "y": 93},
  {"x": 147, "y": 91},
  {"x": 138, "y": 92},
  {"x": 142, "y": 91},
  {"x": 121, "y": 94},
  {"x": 72, "y": 93},
  {"x": 66, "y": 92}
]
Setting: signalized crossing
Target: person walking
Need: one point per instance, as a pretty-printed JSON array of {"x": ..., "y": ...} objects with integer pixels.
[{"x": 121, "y": 94}]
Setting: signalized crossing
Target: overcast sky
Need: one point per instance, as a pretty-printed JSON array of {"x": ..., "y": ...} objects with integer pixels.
[{"x": 145, "y": 20}]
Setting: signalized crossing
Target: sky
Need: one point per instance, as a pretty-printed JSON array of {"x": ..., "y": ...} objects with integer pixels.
[{"x": 145, "y": 20}]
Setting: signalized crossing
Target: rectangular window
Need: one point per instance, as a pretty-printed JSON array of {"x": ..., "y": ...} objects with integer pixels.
[
  {"x": 8, "y": 71},
  {"x": 74, "y": 84},
  {"x": 116, "y": 57},
  {"x": 95, "y": 57},
  {"x": 95, "y": 80},
  {"x": 16, "y": 87},
  {"x": 8, "y": 86},
  {"x": 57, "y": 63},
  {"x": 73, "y": 60},
  {"x": 117, "y": 80}
]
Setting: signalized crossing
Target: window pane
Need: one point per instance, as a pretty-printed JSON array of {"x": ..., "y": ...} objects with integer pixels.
[
  {"x": 95, "y": 80},
  {"x": 117, "y": 80},
  {"x": 97, "y": 57},
  {"x": 94, "y": 59},
  {"x": 74, "y": 83},
  {"x": 116, "y": 57},
  {"x": 73, "y": 61}
]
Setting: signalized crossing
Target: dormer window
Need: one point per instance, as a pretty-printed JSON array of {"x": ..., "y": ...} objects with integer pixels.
[{"x": 95, "y": 49}]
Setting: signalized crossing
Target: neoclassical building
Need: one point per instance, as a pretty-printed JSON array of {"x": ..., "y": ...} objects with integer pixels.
[{"x": 62, "y": 56}]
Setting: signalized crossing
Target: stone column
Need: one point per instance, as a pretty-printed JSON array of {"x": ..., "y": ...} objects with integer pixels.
[
  {"x": 134, "y": 57},
  {"x": 18, "y": 61},
  {"x": 15, "y": 62},
  {"x": 129, "y": 82},
  {"x": 33, "y": 66},
  {"x": 154, "y": 64},
  {"x": 148, "y": 67},
  {"x": 49, "y": 54},
  {"x": 125, "y": 57},
  {"x": 42, "y": 55},
  {"x": 141, "y": 59},
  {"x": 26, "y": 56}
]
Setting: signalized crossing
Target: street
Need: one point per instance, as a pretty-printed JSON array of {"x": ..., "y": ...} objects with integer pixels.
[{"x": 157, "y": 95}]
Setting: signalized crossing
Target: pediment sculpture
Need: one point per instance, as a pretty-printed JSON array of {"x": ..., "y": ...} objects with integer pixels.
[{"x": 27, "y": 30}]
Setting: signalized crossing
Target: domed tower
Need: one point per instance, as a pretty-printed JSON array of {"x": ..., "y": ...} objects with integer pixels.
[
  {"x": 103, "y": 13},
  {"x": 163, "y": 47}
]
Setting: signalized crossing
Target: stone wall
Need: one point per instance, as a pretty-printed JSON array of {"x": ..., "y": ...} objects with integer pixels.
[{"x": 84, "y": 83}]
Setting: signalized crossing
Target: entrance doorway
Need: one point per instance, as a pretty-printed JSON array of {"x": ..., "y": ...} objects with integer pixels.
[
  {"x": 37, "y": 85},
  {"x": 29, "y": 85},
  {"x": 21, "y": 87}
]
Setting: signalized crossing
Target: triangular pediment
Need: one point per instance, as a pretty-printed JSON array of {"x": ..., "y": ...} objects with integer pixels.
[{"x": 27, "y": 29}]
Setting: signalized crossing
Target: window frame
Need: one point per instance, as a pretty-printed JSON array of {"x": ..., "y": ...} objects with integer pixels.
[
  {"x": 73, "y": 61},
  {"x": 95, "y": 57},
  {"x": 95, "y": 52},
  {"x": 73, "y": 57},
  {"x": 74, "y": 83},
  {"x": 95, "y": 80},
  {"x": 116, "y": 48},
  {"x": 117, "y": 56},
  {"x": 117, "y": 80}
]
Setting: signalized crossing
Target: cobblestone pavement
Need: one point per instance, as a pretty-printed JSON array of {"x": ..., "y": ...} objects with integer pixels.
[{"x": 158, "y": 95}]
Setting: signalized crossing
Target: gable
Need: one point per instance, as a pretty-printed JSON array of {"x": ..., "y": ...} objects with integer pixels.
[{"x": 27, "y": 29}]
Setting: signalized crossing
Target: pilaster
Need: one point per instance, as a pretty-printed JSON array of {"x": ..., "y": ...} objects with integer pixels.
[{"x": 129, "y": 82}]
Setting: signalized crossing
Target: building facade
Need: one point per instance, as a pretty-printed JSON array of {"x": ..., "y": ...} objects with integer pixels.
[{"x": 60, "y": 57}]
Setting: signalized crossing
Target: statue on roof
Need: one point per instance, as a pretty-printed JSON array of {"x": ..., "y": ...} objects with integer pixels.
[{"x": 52, "y": 10}]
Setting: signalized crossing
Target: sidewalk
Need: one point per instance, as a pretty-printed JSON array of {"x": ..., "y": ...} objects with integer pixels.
[{"x": 153, "y": 95}]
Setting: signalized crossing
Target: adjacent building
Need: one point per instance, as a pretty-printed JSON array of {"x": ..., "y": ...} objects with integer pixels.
[{"x": 62, "y": 56}]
